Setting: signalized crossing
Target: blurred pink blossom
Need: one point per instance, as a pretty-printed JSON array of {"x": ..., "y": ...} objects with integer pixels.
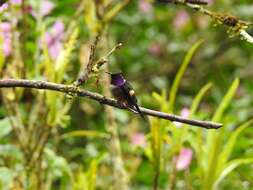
[
  {"x": 180, "y": 20},
  {"x": 155, "y": 49},
  {"x": 3, "y": 7},
  {"x": 185, "y": 112},
  {"x": 46, "y": 8},
  {"x": 210, "y": 2},
  {"x": 5, "y": 32},
  {"x": 54, "y": 39},
  {"x": 16, "y": 2},
  {"x": 145, "y": 6},
  {"x": 138, "y": 139},
  {"x": 184, "y": 159}
]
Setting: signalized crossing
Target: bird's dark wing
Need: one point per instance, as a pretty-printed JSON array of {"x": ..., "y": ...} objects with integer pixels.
[
  {"x": 129, "y": 93},
  {"x": 131, "y": 98}
]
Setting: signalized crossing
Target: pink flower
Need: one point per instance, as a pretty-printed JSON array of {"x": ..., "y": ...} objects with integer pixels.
[
  {"x": 16, "y": 2},
  {"x": 180, "y": 20},
  {"x": 145, "y": 6},
  {"x": 3, "y": 7},
  {"x": 54, "y": 39},
  {"x": 185, "y": 112},
  {"x": 45, "y": 8},
  {"x": 184, "y": 159},
  {"x": 5, "y": 32},
  {"x": 210, "y": 2},
  {"x": 138, "y": 139},
  {"x": 155, "y": 49}
]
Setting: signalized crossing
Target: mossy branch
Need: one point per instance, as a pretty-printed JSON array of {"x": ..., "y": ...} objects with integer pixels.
[
  {"x": 72, "y": 89},
  {"x": 236, "y": 26}
]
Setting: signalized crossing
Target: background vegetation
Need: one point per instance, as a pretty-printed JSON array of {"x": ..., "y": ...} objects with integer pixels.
[{"x": 178, "y": 60}]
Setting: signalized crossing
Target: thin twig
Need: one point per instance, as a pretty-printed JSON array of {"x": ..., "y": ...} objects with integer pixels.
[
  {"x": 194, "y": 2},
  {"x": 70, "y": 89},
  {"x": 236, "y": 27},
  {"x": 85, "y": 75}
]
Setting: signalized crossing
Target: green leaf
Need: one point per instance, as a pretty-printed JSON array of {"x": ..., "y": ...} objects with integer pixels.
[
  {"x": 6, "y": 178},
  {"x": 226, "y": 101},
  {"x": 65, "y": 55},
  {"x": 230, "y": 167},
  {"x": 115, "y": 10},
  {"x": 88, "y": 179},
  {"x": 5, "y": 127},
  {"x": 161, "y": 100},
  {"x": 196, "y": 139},
  {"x": 91, "y": 175},
  {"x": 224, "y": 155},
  {"x": 90, "y": 16},
  {"x": 59, "y": 168},
  {"x": 198, "y": 98},
  {"x": 214, "y": 138},
  {"x": 157, "y": 132},
  {"x": 11, "y": 151},
  {"x": 180, "y": 73},
  {"x": 2, "y": 58},
  {"x": 80, "y": 180},
  {"x": 85, "y": 133},
  {"x": 220, "y": 111}
]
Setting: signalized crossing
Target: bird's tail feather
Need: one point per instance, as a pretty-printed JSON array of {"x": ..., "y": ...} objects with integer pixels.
[{"x": 140, "y": 112}]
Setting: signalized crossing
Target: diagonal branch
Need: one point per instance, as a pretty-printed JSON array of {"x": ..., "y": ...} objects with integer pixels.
[
  {"x": 236, "y": 27},
  {"x": 71, "y": 89}
]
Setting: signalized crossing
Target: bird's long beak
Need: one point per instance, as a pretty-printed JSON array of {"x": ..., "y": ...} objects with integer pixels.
[{"x": 108, "y": 72}]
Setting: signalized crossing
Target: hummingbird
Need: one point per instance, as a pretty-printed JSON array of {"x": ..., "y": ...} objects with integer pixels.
[{"x": 123, "y": 92}]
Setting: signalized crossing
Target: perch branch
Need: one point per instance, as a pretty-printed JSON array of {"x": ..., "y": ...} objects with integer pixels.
[{"x": 71, "y": 89}]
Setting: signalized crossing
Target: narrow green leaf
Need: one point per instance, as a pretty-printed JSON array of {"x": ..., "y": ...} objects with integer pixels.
[
  {"x": 92, "y": 175},
  {"x": 48, "y": 63},
  {"x": 115, "y": 10},
  {"x": 161, "y": 100},
  {"x": 90, "y": 16},
  {"x": 198, "y": 98},
  {"x": 226, "y": 101},
  {"x": 5, "y": 127},
  {"x": 157, "y": 97},
  {"x": 230, "y": 167},
  {"x": 156, "y": 143},
  {"x": 214, "y": 138},
  {"x": 59, "y": 168},
  {"x": 85, "y": 133},
  {"x": 196, "y": 140},
  {"x": 224, "y": 155},
  {"x": 6, "y": 178},
  {"x": 12, "y": 152},
  {"x": 2, "y": 58},
  {"x": 180, "y": 73},
  {"x": 65, "y": 55}
]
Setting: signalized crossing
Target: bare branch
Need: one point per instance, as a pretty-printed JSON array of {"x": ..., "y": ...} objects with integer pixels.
[
  {"x": 194, "y": 2},
  {"x": 70, "y": 89},
  {"x": 85, "y": 75}
]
